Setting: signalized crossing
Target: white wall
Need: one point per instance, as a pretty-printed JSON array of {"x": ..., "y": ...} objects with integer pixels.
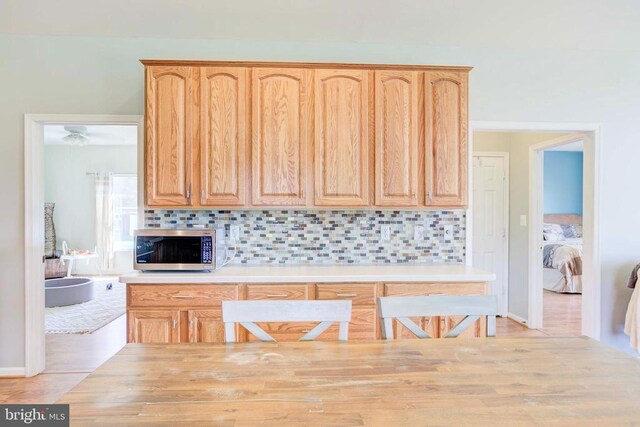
[
  {"x": 42, "y": 74},
  {"x": 73, "y": 191}
]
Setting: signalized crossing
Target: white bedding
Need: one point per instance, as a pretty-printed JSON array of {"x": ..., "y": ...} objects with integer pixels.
[{"x": 554, "y": 280}]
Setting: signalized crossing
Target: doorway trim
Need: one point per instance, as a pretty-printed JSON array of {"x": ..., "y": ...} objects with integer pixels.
[
  {"x": 591, "y": 296},
  {"x": 34, "y": 349},
  {"x": 505, "y": 223}
]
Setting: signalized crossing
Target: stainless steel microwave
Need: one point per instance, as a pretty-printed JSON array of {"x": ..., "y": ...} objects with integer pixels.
[{"x": 173, "y": 250}]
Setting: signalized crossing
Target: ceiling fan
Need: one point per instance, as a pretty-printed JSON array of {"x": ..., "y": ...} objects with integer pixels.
[{"x": 77, "y": 135}]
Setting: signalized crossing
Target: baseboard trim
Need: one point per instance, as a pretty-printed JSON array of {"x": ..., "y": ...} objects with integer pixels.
[
  {"x": 13, "y": 372},
  {"x": 518, "y": 319}
]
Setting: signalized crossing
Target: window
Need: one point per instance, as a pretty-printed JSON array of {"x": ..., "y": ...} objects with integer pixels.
[{"x": 125, "y": 211}]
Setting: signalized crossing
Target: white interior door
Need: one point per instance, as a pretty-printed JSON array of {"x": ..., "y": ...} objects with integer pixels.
[{"x": 491, "y": 221}]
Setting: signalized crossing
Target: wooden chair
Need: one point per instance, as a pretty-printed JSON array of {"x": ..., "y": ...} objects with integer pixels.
[
  {"x": 402, "y": 308},
  {"x": 247, "y": 313}
]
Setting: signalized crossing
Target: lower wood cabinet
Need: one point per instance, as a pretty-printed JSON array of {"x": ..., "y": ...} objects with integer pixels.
[
  {"x": 206, "y": 326},
  {"x": 154, "y": 326},
  {"x": 179, "y": 313}
]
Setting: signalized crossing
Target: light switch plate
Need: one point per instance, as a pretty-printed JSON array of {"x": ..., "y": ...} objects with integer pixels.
[
  {"x": 418, "y": 233},
  {"x": 385, "y": 233},
  {"x": 523, "y": 220}
]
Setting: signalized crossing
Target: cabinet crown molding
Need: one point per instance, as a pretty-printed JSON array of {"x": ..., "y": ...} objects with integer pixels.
[{"x": 314, "y": 65}]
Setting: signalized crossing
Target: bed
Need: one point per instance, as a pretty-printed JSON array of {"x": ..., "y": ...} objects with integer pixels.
[{"x": 562, "y": 254}]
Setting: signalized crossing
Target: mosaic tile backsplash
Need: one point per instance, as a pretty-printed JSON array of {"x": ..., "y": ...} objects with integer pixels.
[{"x": 328, "y": 236}]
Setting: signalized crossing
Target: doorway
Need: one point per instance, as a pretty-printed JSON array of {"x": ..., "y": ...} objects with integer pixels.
[
  {"x": 525, "y": 282},
  {"x": 558, "y": 180},
  {"x": 88, "y": 167}
]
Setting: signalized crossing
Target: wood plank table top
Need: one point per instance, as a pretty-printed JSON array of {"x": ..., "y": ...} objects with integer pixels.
[{"x": 520, "y": 381}]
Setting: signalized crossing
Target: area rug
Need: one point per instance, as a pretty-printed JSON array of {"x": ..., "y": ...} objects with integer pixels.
[{"x": 108, "y": 305}]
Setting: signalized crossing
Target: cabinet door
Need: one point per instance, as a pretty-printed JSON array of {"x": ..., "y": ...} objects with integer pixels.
[
  {"x": 223, "y": 130},
  {"x": 206, "y": 326},
  {"x": 396, "y": 148},
  {"x": 342, "y": 141},
  {"x": 446, "y": 158},
  {"x": 281, "y": 111},
  {"x": 169, "y": 135},
  {"x": 154, "y": 326}
]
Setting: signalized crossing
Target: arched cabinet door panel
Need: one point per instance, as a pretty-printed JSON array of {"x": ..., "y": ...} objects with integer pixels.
[
  {"x": 281, "y": 110},
  {"x": 169, "y": 135},
  {"x": 343, "y": 137},
  {"x": 446, "y": 151},
  {"x": 396, "y": 118},
  {"x": 223, "y": 136}
]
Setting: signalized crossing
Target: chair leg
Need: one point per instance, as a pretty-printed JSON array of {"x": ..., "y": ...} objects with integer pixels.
[
  {"x": 491, "y": 326},
  {"x": 343, "y": 331},
  {"x": 387, "y": 328},
  {"x": 229, "y": 332}
]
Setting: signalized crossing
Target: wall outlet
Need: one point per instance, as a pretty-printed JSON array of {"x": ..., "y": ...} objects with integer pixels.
[
  {"x": 234, "y": 233},
  {"x": 385, "y": 233},
  {"x": 448, "y": 231},
  {"x": 418, "y": 233}
]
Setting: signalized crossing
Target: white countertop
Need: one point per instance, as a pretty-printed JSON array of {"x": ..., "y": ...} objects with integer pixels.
[{"x": 319, "y": 274}]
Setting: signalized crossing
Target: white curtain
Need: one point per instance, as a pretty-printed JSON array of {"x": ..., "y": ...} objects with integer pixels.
[{"x": 104, "y": 218}]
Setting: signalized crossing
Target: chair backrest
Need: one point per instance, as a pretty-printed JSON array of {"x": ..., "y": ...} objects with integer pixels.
[
  {"x": 402, "y": 308},
  {"x": 247, "y": 313}
]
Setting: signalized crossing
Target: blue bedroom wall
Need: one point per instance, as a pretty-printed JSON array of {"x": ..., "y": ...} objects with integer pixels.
[{"x": 563, "y": 182}]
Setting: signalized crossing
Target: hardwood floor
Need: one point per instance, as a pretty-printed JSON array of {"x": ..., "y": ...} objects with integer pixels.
[
  {"x": 43, "y": 388},
  {"x": 85, "y": 352},
  {"x": 70, "y": 358},
  {"x": 562, "y": 317}
]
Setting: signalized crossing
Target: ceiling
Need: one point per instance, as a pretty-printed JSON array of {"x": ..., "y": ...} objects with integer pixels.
[
  {"x": 95, "y": 135},
  {"x": 568, "y": 24}
]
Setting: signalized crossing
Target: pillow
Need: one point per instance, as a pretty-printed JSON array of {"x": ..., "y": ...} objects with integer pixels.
[
  {"x": 578, "y": 230},
  {"x": 552, "y": 232},
  {"x": 569, "y": 231}
]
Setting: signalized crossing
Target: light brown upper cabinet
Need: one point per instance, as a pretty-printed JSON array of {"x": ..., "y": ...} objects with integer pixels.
[
  {"x": 281, "y": 131},
  {"x": 247, "y": 134},
  {"x": 342, "y": 137},
  {"x": 223, "y": 136},
  {"x": 396, "y": 149},
  {"x": 446, "y": 155},
  {"x": 169, "y": 135}
]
